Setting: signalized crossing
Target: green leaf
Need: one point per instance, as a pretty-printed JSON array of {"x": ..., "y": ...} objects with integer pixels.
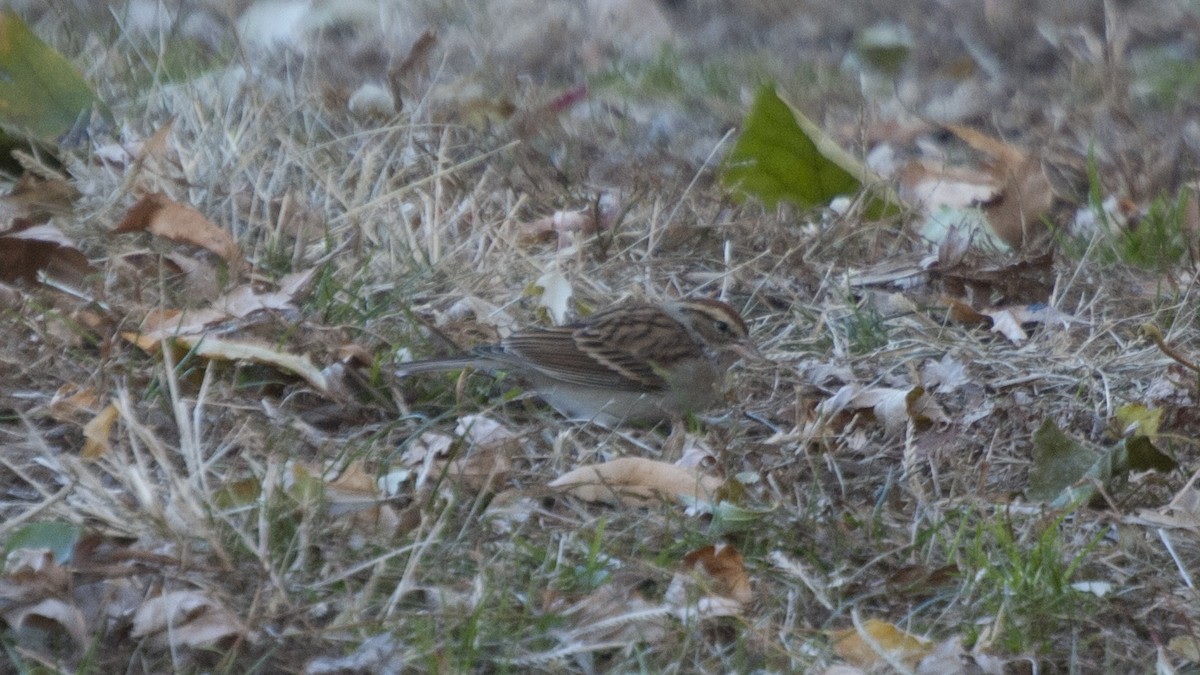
[
  {"x": 781, "y": 155},
  {"x": 728, "y": 517},
  {"x": 41, "y": 93},
  {"x": 1066, "y": 472},
  {"x": 1138, "y": 418},
  {"x": 57, "y": 536},
  {"x": 1143, "y": 455},
  {"x": 1059, "y": 462}
]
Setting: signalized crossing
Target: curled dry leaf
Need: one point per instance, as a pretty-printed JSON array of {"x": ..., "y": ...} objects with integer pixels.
[
  {"x": 944, "y": 376},
  {"x": 636, "y": 481},
  {"x": 33, "y": 591},
  {"x": 239, "y": 303},
  {"x": 73, "y": 403},
  {"x": 49, "y": 612},
  {"x": 97, "y": 431},
  {"x": 893, "y": 407},
  {"x": 724, "y": 566},
  {"x": 186, "y": 619},
  {"x": 154, "y": 148},
  {"x": 200, "y": 280},
  {"x": 567, "y": 226},
  {"x": 864, "y": 649},
  {"x": 31, "y": 574},
  {"x": 236, "y": 350},
  {"x": 162, "y": 216},
  {"x": 556, "y": 295},
  {"x": 1008, "y": 320},
  {"x": 929, "y": 186},
  {"x": 485, "y": 433},
  {"x": 1026, "y": 195},
  {"x": 356, "y": 493},
  {"x": 712, "y": 583},
  {"x": 27, "y": 249},
  {"x": 38, "y": 199}
]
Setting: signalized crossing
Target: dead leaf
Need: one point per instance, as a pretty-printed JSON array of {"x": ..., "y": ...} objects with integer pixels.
[
  {"x": 556, "y": 295},
  {"x": 1186, "y": 646},
  {"x": 27, "y": 249},
  {"x": 892, "y": 407},
  {"x": 239, "y": 303},
  {"x": 49, "y": 613},
  {"x": 37, "y": 199},
  {"x": 930, "y": 186},
  {"x": 97, "y": 431},
  {"x": 201, "y": 280},
  {"x": 863, "y": 649},
  {"x": 713, "y": 583},
  {"x": 480, "y": 464},
  {"x": 416, "y": 60},
  {"x": 1004, "y": 323},
  {"x": 356, "y": 494},
  {"x": 485, "y": 433},
  {"x": 724, "y": 565},
  {"x": 186, "y": 619},
  {"x": 241, "y": 350},
  {"x": 164, "y": 217},
  {"x": 944, "y": 376},
  {"x": 73, "y": 403},
  {"x": 1016, "y": 213},
  {"x": 636, "y": 482}
]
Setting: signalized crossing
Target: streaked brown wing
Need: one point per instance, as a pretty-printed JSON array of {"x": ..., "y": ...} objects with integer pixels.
[
  {"x": 613, "y": 348},
  {"x": 555, "y": 353},
  {"x": 634, "y": 340}
]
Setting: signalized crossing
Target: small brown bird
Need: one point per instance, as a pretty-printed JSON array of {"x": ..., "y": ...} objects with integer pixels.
[{"x": 633, "y": 362}]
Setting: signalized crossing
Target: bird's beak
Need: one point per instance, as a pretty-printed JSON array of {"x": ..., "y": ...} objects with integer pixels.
[{"x": 747, "y": 350}]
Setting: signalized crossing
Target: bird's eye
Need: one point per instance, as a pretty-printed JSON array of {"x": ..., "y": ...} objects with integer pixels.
[{"x": 722, "y": 327}]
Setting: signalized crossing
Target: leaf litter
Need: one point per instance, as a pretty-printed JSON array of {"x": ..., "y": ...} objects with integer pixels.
[{"x": 369, "y": 524}]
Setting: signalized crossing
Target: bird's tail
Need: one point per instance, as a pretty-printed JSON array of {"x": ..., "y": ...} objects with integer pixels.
[{"x": 434, "y": 365}]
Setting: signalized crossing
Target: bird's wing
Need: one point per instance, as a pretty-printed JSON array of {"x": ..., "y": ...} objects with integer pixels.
[
  {"x": 622, "y": 347},
  {"x": 559, "y": 354}
]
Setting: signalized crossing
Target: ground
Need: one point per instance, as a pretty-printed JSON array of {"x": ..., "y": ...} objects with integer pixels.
[{"x": 355, "y": 184}]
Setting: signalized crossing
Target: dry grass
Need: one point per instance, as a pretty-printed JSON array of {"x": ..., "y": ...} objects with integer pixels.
[{"x": 214, "y": 480}]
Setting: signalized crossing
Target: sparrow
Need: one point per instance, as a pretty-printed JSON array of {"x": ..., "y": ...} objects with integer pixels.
[{"x": 634, "y": 362}]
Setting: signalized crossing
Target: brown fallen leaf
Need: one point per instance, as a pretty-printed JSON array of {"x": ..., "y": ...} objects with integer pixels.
[
  {"x": 414, "y": 63},
  {"x": 1026, "y": 196},
  {"x": 863, "y": 649},
  {"x": 74, "y": 403},
  {"x": 96, "y": 433},
  {"x": 636, "y": 482},
  {"x": 186, "y": 619},
  {"x": 241, "y": 350},
  {"x": 724, "y": 565},
  {"x": 38, "y": 199},
  {"x": 894, "y": 408},
  {"x": 27, "y": 249},
  {"x": 164, "y": 217},
  {"x": 49, "y": 612},
  {"x": 713, "y": 583},
  {"x": 239, "y": 303}
]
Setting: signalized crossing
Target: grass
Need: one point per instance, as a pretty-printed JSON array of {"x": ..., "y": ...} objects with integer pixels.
[{"x": 335, "y": 529}]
